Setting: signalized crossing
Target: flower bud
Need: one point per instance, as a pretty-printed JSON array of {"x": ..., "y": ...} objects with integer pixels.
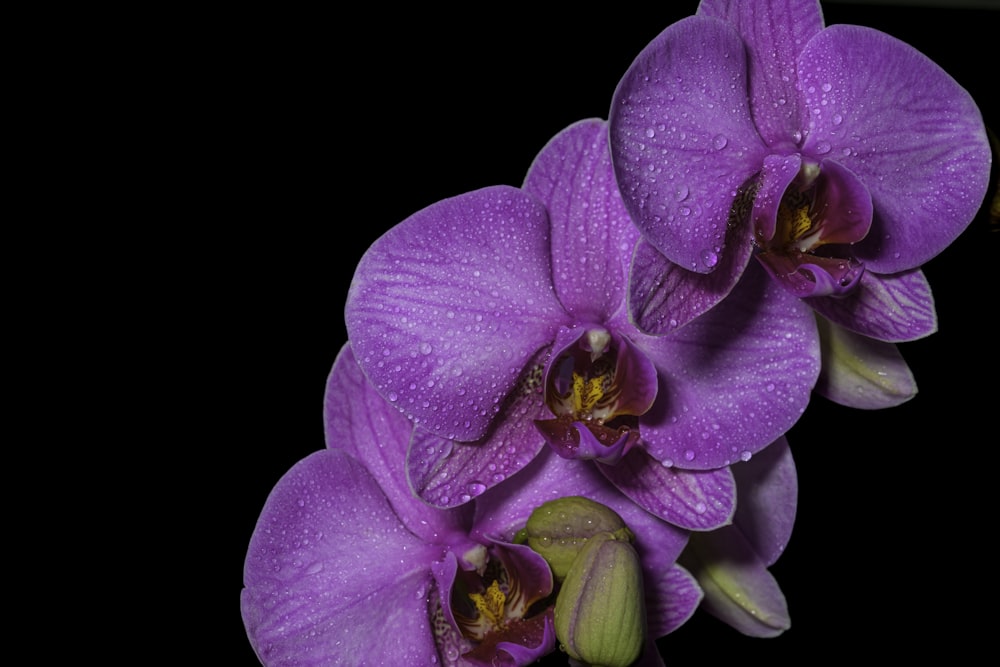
[
  {"x": 558, "y": 529},
  {"x": 600, "y": 612}
]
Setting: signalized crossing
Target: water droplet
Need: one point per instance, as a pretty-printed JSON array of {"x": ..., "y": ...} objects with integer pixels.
[
  {"x": 425, "y": 348},
  {"x": 681, "y": 193},
  {"x": 689, "y": 455},
  {"x": 837, "y": 119},
  {"x": 709, "y": 258},
  {"x": 476, "y": 488},
  {"x": 823, "y": 147},
  {"x": 650, "y": 133},
  {"x": 826, "y": 87},
  {"x": 719, "y": 142},
  {"x": 315, "y": 568},
  {"x": 701, "y": 508},
  {"x": 393, "y": 397},
  {"x": 770, "y": 387},
  {"x": 745, "y": 455}
]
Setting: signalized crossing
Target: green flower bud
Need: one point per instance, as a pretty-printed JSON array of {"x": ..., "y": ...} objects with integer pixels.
[
  {"x": 600, "y": 612},
  {"x": 558, "y": 529}
]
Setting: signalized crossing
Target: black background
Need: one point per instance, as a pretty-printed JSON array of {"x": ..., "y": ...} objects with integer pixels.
[{"x": 331, "y": 130}]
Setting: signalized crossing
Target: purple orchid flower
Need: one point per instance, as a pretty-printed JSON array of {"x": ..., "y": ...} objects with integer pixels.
[
  {"x": 344, "y": 551},
  {"x": 838, "y": 157},
  {"x": 497, "y": 322},
  {"x": 731, "y": 563}
]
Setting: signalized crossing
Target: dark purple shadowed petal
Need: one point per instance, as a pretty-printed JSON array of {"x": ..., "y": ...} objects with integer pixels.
[
  {"x": 776, "y": 175},
  {"x": 843, "y": 205},
  {"x": 892, "y": 308},
  {"x": 663, "y": 296},
  {"x": 592, "y": 233},
  {"x": 445, "y": 473},
  {"x": 447, "y": 307},
  {"x": 733, "y": 380},
  {"x": 807, "y": 276},
  {"x": 775, "y": 32},
  {"x": 326, "y": 568},
  {"x": 362, "y": 423},
  {"x": 907, "y": 129},
  {"x": 700, "y": 500},
  {"x": 682, "y": 139}
]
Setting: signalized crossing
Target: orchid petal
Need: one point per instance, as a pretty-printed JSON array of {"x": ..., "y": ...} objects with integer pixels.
[
  {"x": 701, "y": 500},
  {"x": 671, "y": 599},
  {"x": 663, "y": 296},
  {"x": 445, "y": 473},
  {"x": 774, "y": 32},
  {"x": 466, "y": 265},
  {"x": 908, "y": 130},
  {"x": 362, "y": 423},
  {"x": 776, "y": 175},
  {"x": 505, "y": 509},
  {"x": 738, "y": 588},
  {"x": 329, "y": 565},
  {"x": 733, "y": 380},
  {"x": 767, "y": 499},
  {"x": 590, "y": 226},
  {"x": 861, "y": 372},
  {"x": 893, "y": 308},
  {"x": 679, "y": 162}
]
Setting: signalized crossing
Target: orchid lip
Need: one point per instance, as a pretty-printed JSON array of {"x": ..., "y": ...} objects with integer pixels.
[
  {"x": 504, "y": 605},
  {"x": 805, "y": 240}
]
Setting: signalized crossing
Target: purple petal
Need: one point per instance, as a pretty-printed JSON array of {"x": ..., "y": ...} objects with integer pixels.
[
  {"x": 701, "y": 500},
  {"x": 445, "y": 473},
  {"x": 776, "y": 175},
  {"x": 893, "y": 308},
  {"x": 738, "y": 588},
  {"x": 446, "y": 308},
  {"x": 682, "y": 139},
  {"x": 672, "y": 597},
  {"x": 360, "y": 422},
  {"x": 503, "y": 510},
  {"x": 734, "y": 380},
  {"x": 592, "y": 233},
  {"x": 908, "y": 130},
  {"x": 774, "y": 32},
  {"x": 767, "y": 492},
  {"x": 328, "y": 563},
  {"x": 664, "y": 296},
  {"x": 861, "y": 372}
]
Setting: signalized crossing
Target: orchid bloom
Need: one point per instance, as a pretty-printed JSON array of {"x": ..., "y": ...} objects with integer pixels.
[
  {"x": 347, "y": 567},
  {"x": 838, "y": 158},
  {"x": 497, "y": 322},
  {"x": 731, "y": 563}
]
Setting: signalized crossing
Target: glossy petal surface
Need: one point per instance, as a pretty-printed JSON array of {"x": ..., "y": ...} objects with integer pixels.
[
  {"x": 733, "y": 380},
  {"x": 684, "y": 140},
  {"x": 304, "y": 603},
  {"x": 360, "y": 422},
  {"x": 913, "y": 135},
  {"x": 892, "y": 308},
  {"x": 451, "y": 303}
]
